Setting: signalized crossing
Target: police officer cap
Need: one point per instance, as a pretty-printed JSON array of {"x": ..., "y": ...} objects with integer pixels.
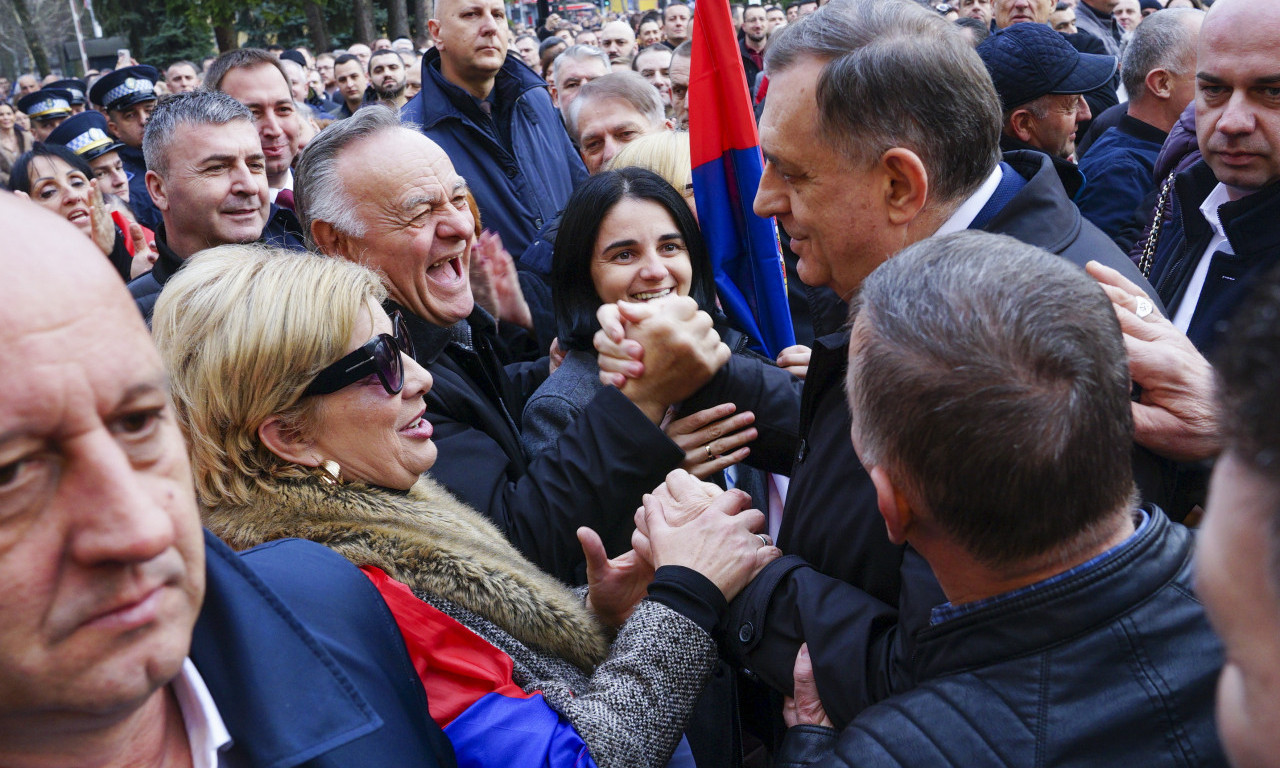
[
  {"x": 85, "y": 134},
  {"x": 125, "y": 87},
  {"x": 77, "y": 89},
  {"x": 46, "y": 104}
]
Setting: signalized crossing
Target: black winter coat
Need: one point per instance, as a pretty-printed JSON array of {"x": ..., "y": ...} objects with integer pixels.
[
  {"x": 1115, "y": 666},
  {"x": 595, "y": 476},
  {"x": 1250, "y": 224},
  {"x": 859, "y": 582}
]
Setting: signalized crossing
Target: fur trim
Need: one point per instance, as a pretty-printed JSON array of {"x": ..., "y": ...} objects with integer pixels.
[{"x": 432, "y": 542}]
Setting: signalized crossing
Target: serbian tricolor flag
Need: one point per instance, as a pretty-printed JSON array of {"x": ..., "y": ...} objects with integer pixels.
[
  {"x": 491, "y": 721},
  {"x": 727, "y": 164}
]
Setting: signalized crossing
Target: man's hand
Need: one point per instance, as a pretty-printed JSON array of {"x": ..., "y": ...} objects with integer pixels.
[
  {"x": 1175, "y": 414},
  {"x": 712, "y": 439},
  {"x": 614, "y": 587},
  {"x": 684, "y": 497},
  {"x": 719, "y": 543},
  {"x": 804, "y": 707},
  {"x": 677, "y": 343}
]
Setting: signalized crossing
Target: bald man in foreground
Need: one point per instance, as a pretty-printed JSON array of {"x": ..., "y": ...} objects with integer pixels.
[{"x": 127, "y": 635}]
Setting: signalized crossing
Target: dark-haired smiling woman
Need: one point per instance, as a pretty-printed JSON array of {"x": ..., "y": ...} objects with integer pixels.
[
  {"x": 629, "y": 236},
  {"x": 58, "y": 179}
]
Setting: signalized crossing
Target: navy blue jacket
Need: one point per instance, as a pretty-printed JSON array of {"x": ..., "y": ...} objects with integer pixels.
[
  {"x": 1250, "y": 224},
  {"x": 306, "y": 663},
  {"x": 1114, "y": 665},
  {"x": 282, "y": 231},
  {"x": 1118, "y": 174},
  {"x": 140, "y": 202},
  {"x": 519, "y": 162}
]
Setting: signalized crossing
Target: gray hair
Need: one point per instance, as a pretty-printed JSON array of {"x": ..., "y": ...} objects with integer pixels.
[
  {"x": 683, "y": 50},
  {"x": 1016, "y": 370},
  {"x": 319, "y": 190},
  {"x": 1162, "y": 41},
  {"x": 898, "y": 75},
  {"x": 198, "y": 107},
  {"x": 579, "y": 53},
  {"x": 624, "y": 85}
]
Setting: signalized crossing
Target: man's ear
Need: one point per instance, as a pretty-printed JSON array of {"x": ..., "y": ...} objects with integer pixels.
[
  {"x": 329, "y": 240},
  {"x": 155, "y": 188},
  {"x": 894, "y": 507},
  {"x": 907, "y": 187},
  {"x": 433, "y": 26},
  {"x": 1020, "y": 125},
  {"x": 287, "y": 443},
  {"x": 555, "y": 95},
  {"x": 1160, "y": 83}
]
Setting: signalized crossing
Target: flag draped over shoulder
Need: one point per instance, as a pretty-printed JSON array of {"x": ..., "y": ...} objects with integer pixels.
[{"x": 727, "y": 164}]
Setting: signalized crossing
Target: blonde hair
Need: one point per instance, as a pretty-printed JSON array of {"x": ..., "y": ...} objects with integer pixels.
[
  {"x": 666, "y": 153},
  {"x": 242, "y": 330}
]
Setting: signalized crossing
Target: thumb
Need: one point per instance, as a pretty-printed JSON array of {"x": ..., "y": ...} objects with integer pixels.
[
  {"x": 634, "y": 312},
  {"x": 802, "y": 672},
  {"x": 135, "y": 234},
  {"x": 593, "y": 549}
]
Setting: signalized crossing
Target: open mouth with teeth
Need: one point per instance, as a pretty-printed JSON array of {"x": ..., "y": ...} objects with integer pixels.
[
  {"x": 419, "y": 427},
  {"x": 446, "y": 271},
  {"x": 651, "y": 295}
]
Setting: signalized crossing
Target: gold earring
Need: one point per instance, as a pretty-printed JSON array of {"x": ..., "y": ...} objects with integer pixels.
[{"x": 331, "y": 473}]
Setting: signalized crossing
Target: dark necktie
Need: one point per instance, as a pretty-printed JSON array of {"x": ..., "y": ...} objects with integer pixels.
[{"x": 284, "y": 199}]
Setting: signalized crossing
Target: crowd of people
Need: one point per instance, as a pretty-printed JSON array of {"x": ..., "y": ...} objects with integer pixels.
[{"x": 378, "y": 407}]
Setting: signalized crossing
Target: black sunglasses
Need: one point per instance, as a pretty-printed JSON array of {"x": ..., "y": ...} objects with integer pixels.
[{"x": 381, "y": 356}]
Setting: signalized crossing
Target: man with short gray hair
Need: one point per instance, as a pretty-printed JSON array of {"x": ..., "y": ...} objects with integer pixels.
[
  {"x": 207, "y": 174},
  {"x": 881, "y": 129},
  {"x": 413, "y": 224},
  {"x": 576, "y": 66},
  {"x": 611, "y": 111},
  {"x": 1063, "y": 598},
  {"x": 1159, "y": 74}
]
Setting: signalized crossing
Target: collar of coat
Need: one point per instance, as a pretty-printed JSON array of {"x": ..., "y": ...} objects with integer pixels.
[{"x": 430, "y": 541}]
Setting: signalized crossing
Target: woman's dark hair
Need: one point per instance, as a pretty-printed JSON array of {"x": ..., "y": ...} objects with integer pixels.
[
  {"x": 573, "y": 292},
  {"x": 19, "y": 177}
]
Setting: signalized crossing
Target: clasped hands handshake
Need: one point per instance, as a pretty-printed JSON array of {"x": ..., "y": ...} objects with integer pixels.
[{"x": 684, "y": 522}]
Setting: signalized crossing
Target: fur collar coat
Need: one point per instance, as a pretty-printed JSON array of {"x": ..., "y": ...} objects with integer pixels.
[{"x": 432, "y": 542}]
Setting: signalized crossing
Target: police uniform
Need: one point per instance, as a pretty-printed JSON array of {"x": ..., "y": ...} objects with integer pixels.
[
  {"x": 120, "y": 90},
  {"x": 47, "y": 105}
]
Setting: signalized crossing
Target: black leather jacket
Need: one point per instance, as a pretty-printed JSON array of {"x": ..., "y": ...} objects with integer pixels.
[{"x": 1115, "y": 665}]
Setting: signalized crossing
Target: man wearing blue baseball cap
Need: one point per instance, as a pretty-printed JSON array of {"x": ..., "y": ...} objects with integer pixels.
[
  {"x": 128, "y": 96},
  {"x": 1040, "y": 79},
  {"x": 86, "y": 135},
  {"x": 46, "y": 109}
]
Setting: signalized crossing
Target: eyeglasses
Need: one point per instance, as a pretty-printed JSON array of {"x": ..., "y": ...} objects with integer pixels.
[{"x": 380, "y": 356}]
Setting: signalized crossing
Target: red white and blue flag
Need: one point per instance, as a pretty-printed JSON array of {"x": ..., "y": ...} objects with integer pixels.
[
  {"x": 725, "y": 149},
  {"x": 490, "y": 720}
]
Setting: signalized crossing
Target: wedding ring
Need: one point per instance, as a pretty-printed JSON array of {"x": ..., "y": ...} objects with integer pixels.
[
  {"x": 710, "y": 456},
  {"x": 764, "y": 539},
  {"x": 1144, "y": 308}
]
